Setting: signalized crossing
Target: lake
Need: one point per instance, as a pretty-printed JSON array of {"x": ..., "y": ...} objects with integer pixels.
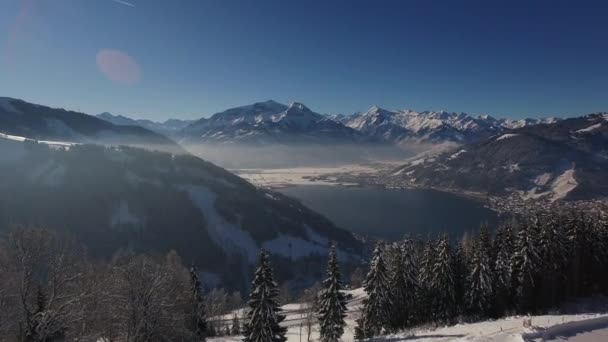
[{"x": 390, "y": 214}]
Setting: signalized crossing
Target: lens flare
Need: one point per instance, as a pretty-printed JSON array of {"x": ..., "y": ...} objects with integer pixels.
[{"x": 118, "y": 67}]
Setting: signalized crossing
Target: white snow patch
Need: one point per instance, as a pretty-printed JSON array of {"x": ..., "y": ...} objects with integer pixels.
[
  {"x": 590, "y": 128},
  {"x": 563, "y": 184},
  {"x": 542, "y": 179},
  {"x": 512, "y": 167},
  {"x": 588, "y": 330},
  {"x": 455, "y": 155},
  {"x": 12, "y": 137},
  {"x": 227, "y": 235},
  {"x": 506, "y": 136},
  {"x": 122, "y": 215}
]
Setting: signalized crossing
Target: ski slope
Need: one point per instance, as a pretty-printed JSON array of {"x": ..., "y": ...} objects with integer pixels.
[{"x": 585, "y": 327}]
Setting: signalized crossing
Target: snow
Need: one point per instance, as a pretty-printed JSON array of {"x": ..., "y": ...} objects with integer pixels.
[
  {"x": 228, "y": 235},
  {"x": 455, "y": 155},
  {"x": 513, "y": 167},
  {"x": 123, "y": 216},
  {"x": 12, "y": 137},
  {"x": 563, "y": 184},
  {"x": 300, "y": 175},
  {"x": 590, "y": 128},
  {"x": 570, "y": 327},
  {"x": 506, "y": 136},
  {"x": 542, "y": 179},
  {"x": 588, "y": 330},
  {"x": 559, "y": 188}
]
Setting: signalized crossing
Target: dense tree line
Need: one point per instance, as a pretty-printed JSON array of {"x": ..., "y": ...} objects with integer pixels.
[{"x": 529, "y": 265}]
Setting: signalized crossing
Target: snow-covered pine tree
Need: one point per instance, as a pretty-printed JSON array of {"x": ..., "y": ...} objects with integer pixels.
[
  {"x": 412, "y": 289},
  {"x": 236, "y": 325},
  {"x": 425, "y": 281},
  {"x": 264, "y": 314},
  {"x": 504, "y": 244},
  {"x": 397, "y": 283},
  {"x": 199, "y": 312},
  {"x": 552, "y": 253},
  {"x": 461, "y": 272},
  {"x": 375, "y": 315},
  {"x": 332, "y": 306},
  {"x": 480, "y": 294},
  {"x": 526, "y": 266},
  {"x": 443, "y": 285}
]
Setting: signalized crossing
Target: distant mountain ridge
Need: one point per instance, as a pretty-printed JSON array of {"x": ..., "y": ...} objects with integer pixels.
[
  {"x": 565, "y": 159},
  {"x": 268, "y": 122},
  {"x": 168, "y": 127},
  {"x": 430, "y": 126},
  {"x": 39, "y": 122}
]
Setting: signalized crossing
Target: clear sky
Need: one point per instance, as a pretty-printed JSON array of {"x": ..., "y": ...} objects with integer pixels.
[{"x": 191, "y": 58}]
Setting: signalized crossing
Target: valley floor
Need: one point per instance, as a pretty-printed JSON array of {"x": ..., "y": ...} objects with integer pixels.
[{"x": 583, "y": 327}]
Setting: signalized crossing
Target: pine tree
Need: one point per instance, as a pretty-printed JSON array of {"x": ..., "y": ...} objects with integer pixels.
[
  {"x": 399, "y": 295},
  {"x": 375, "y": 316},
  {"x": 425, "y": 276},
  {"x": 199, "y": 314},
  {"x": 236, "y": 325},
  {"x": 332, "y": 310},
  {"x": 264, "y": 314},
  {"x": 503, "y": 272},
  {"x": 526, "y": 267},
  {"x": 443, "y": 284},
  {"x": 552, "y": 253},
  {"x": 480, "y": 294},
  {"x": 410, "y": 287},
  {"x": 461, "y": 272}
]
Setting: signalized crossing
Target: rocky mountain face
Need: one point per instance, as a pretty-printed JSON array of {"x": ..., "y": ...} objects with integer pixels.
[
  {"x": 168, "y": 127},
  {"x": 266, "y": 123},
  {"x": 134, "y": 200},
  {"x": 408, "y": 126},
  {"x": 39, "y": 122},
  {"x": 566, "y": 159}
]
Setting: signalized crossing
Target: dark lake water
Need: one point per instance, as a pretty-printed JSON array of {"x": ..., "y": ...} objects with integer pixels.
[{"x": 390, "y": 214}]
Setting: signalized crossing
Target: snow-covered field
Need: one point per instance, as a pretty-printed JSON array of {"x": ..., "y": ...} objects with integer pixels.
[
  {"x": 574, "y": 328},
  {"x": 300, "y": 175}
]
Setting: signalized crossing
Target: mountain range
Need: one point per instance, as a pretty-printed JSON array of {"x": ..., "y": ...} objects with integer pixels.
[
  {"x": 38, "y": 122},
  {"x": 272, "y": 122},
  {"x": 168, "y": 127},
  {"x": 566, "y": 159},
  {"x": 408, "y": 126},
  {"x": 266, "y": 123}
]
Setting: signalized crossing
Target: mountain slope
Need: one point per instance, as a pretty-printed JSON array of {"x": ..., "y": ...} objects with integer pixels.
[
  {"x": 566, "y": 159},
  {"x": 268, "y": 122},
  {"x": 39, "y": 122},
  {"x": 429, "y": 126},
  {"x": 168, "y": 127},
  {"x": 126, "y": 198}
]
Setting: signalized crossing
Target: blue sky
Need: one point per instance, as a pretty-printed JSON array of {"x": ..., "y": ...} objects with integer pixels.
[{"x": 197, "y": 57}]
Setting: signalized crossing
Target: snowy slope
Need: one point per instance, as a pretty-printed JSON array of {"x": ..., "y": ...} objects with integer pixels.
[
  {"x": 571, "y": 327},
  {"x": 21, "y": 118},
  {"x": 564, "y": 160}
]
